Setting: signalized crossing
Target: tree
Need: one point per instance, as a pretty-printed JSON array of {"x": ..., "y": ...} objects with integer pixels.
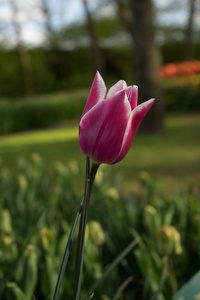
[
  {"x": 96, "y": 54},
  {"x": 50, "y": 31},
  {"x": 147, "y": 62},
  {"x": 189, "y": 30},
  {"x": 147, "y": 59},
  {"x": 24, "y": 56}
]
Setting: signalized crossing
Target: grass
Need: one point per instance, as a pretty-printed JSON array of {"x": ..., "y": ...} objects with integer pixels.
[{"x": 173, "y": 158}]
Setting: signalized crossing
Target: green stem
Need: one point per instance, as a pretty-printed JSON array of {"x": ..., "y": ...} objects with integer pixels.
[
  {"x": 82, "y": 233},
  {"x": 67, "y": 251},
  {"x": 122, "y": 288},
  {"x": 81, "y": 236}
]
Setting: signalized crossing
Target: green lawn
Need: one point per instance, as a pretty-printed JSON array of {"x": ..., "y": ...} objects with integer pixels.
[{"x": 173, "y": 158}]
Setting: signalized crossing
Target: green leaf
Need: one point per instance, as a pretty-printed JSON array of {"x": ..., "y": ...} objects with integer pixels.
[
  {"x": 111, "y": 267},
  {"x": 190, "y": 290}
]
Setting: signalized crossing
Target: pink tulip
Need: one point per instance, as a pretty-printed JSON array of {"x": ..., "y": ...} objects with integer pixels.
[{"x": 108, "y": 124}]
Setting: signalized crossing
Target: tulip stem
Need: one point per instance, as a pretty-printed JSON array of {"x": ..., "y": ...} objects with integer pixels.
[
  {"x": 89, "y": 180},
  {"x": 67, "y": 251},
  {"x": 81, "y": 238}
]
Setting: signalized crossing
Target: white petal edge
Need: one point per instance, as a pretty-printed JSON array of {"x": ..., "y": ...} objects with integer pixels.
[
  {"x": 120, "y": 85},
  {"x": 101, "y": 87},
  {"x": 129, "y": 124}
]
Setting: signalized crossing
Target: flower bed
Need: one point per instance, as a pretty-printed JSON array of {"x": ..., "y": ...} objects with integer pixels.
[{"x": 181, "y": 83}]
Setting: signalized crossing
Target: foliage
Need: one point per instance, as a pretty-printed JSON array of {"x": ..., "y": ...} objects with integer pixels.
[
  {"x": 181, "y": 69},
  {"x": 182, "y": 93},
  {"x": 37, "y": 112},
  {"x": 51, "y": 71},
  {"x": 37, "y": 210},
  {"x": 182, "y": 85},
  {"x": 105, "y": 28},
  {"x": 172, "y": 158},
  {"x": 58, "y": 70}
]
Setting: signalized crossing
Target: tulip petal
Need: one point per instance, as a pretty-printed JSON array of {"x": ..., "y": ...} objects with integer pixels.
[
  {"x": 102, "y": 128},
  {"x": 120, "y": 85},
  {"x": 97, "y": 93},
  {"x": 132, "y": 93},
  {"x": 134, "y": 121}
]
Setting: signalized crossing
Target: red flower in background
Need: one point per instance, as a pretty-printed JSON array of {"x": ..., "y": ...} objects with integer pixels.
[{"x": 180, "y": 68}]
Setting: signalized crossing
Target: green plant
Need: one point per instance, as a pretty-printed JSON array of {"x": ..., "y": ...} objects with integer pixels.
[
  {"x": 37, "y": 112},
  {"x": 37, "y": 209}
]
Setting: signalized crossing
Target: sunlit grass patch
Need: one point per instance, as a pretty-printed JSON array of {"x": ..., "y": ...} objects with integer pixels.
[
  {"x": 173, "y": 158},
  {"x": 39, "y": 137}
]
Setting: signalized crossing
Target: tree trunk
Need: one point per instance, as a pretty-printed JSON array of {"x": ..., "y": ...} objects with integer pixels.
[
  {"x": 147, "y": 64},
  {"x": 26, "y": 68},
  {"x": 125, "y": 16},
  {"x": 96, "y": 55},
  {"x": 52, "y": 38},
  {"x": 23, "y": 53},
  {"x": 189, "y": 31}
]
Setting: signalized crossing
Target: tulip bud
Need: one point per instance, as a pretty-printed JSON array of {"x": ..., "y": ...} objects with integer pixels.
[
  {"x": 96, "y": 233},
  {"x": 23, "y": 182},
  {"x": 169, "y": 240},
  {"x": 6, "y": 240},
  {"x": 100, "y": 176},
  {"x": 6, "y": 236},
  {"x": 144, "y": 177},
  {"x": 113, "y": 194},
  {"x": 36, "y": 158},
  {"x": 108, "y": 124},
  {"x": 5, "y": 221},
  {"x": 45, "y": 238},
  {"x": 30, "y": 271},
  {"x": 150, "y": 217}
]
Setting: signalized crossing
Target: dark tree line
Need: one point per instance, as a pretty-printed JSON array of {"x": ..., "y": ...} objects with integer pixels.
[{"x": 138, "y": 20}]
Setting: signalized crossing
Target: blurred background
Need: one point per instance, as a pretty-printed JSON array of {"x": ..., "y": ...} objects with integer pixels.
[{"x": 49, "y": 53}]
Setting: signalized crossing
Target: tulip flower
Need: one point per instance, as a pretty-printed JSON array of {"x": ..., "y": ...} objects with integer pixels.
[{"x": 109, "y": 123}]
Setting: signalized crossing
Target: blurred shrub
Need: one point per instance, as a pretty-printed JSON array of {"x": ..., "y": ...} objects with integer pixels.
[
  {"x": 181, "y": 81},
  {"x": 53, "y": 70},
  {"x": 41, "y": 111},
  {"x": 182, "y": 93},
  {"x": 37, "y": 210}
]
